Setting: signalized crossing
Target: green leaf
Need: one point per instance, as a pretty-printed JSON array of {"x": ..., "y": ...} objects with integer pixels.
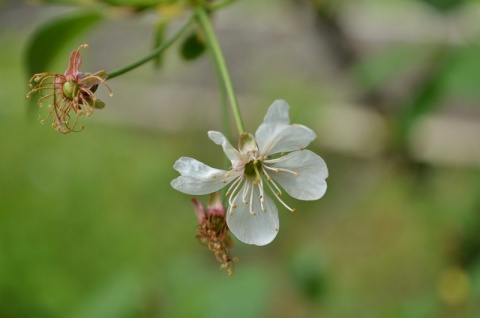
[
  {"x": 193, "y": 47},
  {"x": 53, "y": 36}
]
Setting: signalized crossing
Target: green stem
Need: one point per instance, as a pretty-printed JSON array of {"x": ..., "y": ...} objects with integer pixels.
[
  {"x": 225, "y": 113},
  {"x": 219, "y": 61},
  {"x": 220, "y": 5},
  {"x": 159, "y": 50}
]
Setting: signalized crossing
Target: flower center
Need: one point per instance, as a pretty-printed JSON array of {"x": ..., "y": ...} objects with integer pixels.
[
  {"x": 252, "y": 168},
  {"x": 70, "y": 89}
]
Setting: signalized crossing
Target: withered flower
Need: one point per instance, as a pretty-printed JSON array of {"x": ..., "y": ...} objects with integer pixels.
[
  {"x": 213, "y": 230},
  {"x": 72, "y": 93}
]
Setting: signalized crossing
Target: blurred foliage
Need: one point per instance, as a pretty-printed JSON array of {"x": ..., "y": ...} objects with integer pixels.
[
  {"x": 376, "y": 70},
  {"x": 139, "y": 3},
  {"x": 445, "y": 5},
  {"x": 51, "y": 37},
  {"x": 309, "y": 274},
  {"x": 125, "y": 3},
  {"x": 89, "y": 226},
  {"x": 192, "y": 47}
]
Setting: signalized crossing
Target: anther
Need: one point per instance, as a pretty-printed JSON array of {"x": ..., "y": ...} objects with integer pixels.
[{"x": 213, "y": 175}]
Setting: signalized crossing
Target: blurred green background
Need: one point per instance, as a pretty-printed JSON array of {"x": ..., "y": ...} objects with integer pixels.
[{"x": 90, "y": 227}]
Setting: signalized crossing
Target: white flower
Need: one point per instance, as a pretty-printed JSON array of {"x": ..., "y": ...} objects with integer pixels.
[{"x": 252, "y": 215}]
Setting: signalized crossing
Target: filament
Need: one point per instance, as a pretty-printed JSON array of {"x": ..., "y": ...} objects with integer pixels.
[{"x": 281, "y": 201}]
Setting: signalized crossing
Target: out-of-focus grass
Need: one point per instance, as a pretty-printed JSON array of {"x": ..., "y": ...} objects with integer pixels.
[{"x": 90, "y": 227}]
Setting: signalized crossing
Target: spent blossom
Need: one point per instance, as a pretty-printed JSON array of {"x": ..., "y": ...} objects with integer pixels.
[
  {"x": 213, "y": 230},
  {"x": 72, "y": 93},
  {"x": 274, "y": 158}
]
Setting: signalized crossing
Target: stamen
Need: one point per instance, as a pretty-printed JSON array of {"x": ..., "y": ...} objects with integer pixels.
[
  {"x": 246, "y": 189},
  {"x": 262, "y": 202},
  {"x": 278, "y": 192},
  {"x": 277, "y": 170},
  {"x": 234, "y": 193},
  {"x": 278, "y": 198},
  {"x": 252, "y": 212},
  {"x": 234, "y": 184}
]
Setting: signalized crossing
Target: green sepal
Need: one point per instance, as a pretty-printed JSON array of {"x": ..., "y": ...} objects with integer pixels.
[
  {"x": 247, "y": 143},
  {"x": 96, "y": 103}
]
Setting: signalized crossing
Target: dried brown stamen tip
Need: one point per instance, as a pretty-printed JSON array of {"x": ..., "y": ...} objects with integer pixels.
[{"x": 213, "y": 233}]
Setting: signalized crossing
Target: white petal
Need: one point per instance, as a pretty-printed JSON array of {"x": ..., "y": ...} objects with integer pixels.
[
  {"x": 311, "y": 172},
  {"x": 276, "y": 134},
  {"x": 197, "y": 178},
  {"x": 232, "y": 154},
  {"x": 277, "y": 113},
  {"x": 259, "y": 229},
  {"x": 283, "y": 138}
]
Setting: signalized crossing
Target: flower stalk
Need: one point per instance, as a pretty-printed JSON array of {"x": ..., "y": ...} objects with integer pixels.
[
  {"x": 156, "y": 52},
  {"x": 219, "y": 61}
]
